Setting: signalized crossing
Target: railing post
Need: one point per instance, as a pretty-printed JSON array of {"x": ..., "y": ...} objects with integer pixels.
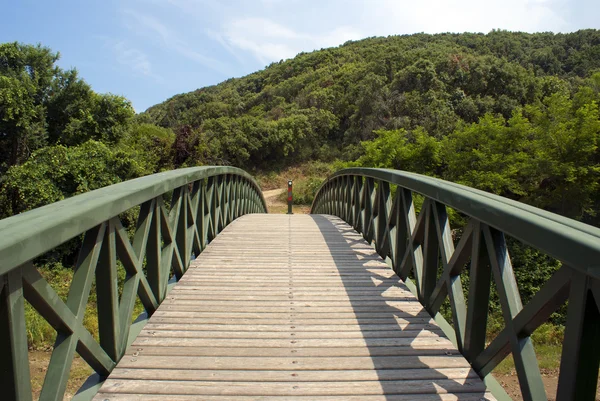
[
  {"x": 581, "y": 353},
  {"x": 290, "y": 198},
  {"x": 480, "y": 274},
  {"x": 14, "y": 363},
  {"x": 526, "y": 365}
]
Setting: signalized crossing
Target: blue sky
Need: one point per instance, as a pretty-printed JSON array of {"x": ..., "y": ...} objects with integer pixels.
[{"x": 150, "y": 50}]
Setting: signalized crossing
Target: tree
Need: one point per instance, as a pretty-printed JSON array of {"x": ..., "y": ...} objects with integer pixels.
[
  {"x": 57, "y": 172},
  {"x": 413, "y": 151},
  {"x": 152, "y": 146},
  {"x": 567, "y": 136},
  {"x": 492, "y": 155},
  {"x": 26, "y": 73},
  {"x": 71, "y": 99},
  {"x": 41, "y": 104}
]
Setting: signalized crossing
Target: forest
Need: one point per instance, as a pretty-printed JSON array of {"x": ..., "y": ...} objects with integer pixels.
[{"x": 515, "y": 114}]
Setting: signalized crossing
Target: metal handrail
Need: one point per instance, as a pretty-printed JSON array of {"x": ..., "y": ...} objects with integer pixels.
[
  {"x": 572, "y": 242},
  {"x": 167, "y": 237},
  {"x": 30, "y": 234},
  {"x": 415, "y": 244}
]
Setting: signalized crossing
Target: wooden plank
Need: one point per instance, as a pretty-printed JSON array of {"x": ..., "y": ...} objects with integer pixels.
[
  {"x": 175, "y": 331},
  {"x": 436, "y": 386},
  {"x": 136, "y": 351},
  {"x": 365, "y": 285},
  {"x": 427, "y": 342},
  {"x": 185, "y": 313},
  {"x": 330, "y": 305},
  {"x": 302, "y": 328},
  {"x": 200, "y": 307},
  {"x": 285, "y": 293},
  {"x": 394, "y": 397},
  {"x": 291, "y": 307},
  {"x": 364, "y": 324},
  {"x": 298, "y": 291},
  {"x": 295, "y": 376},
  {"x": 350, "y": 277},
  {"x": 293, "y": 363}
]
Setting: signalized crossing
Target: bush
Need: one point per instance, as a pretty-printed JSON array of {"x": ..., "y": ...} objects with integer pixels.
[{"x": 304, "y": 190}]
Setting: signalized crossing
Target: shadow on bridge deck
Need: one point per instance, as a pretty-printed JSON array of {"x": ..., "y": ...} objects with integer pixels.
[{"x": 410, "y": 353}]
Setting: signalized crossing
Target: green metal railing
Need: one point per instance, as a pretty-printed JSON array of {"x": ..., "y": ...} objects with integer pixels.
[
  {"x": 380, "y": 204},
  {"x": 167, "y": 236}
]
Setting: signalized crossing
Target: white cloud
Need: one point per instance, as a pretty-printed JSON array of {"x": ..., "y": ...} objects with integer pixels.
[
  {"x": 267, "y": 40},
  {"x": 270, "y": 30},
  {"x": 285, "y": 29},
  {"x": 270, "y": 41},
  {"x": 144, "y": 24},
  {"x": 134, "y": 58},
  {"x": 434, "y": 16}
]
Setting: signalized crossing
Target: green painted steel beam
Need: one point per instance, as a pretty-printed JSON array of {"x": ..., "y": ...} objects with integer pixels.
[
  {"x": 14, "y": 363},
  {"x": 30, "y": 234},
  {"x": 573, "y": 243}
]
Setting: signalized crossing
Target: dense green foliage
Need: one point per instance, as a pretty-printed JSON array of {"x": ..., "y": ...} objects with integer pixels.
[
  {"x": 323, "y": 104},
  {"x": 511, "y": 113},
  {"x": 545, "y": 154},
  {"x": 59, "y": 138}
]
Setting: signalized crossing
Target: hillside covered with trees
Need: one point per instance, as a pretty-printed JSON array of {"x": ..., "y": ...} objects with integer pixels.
[{"x": 511, "y": 113}]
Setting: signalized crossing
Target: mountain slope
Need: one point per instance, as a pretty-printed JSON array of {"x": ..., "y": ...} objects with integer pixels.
[{"x": 320, "y": 105}]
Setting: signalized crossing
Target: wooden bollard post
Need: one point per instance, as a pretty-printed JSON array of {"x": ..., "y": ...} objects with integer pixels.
[{"x": 290, "y": 198}]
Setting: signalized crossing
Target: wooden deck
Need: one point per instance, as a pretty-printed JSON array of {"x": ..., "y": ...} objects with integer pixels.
[{"x": 291, "y": 307}]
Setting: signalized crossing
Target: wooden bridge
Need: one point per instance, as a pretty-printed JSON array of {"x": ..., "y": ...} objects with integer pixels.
[
  {"x": 297, "y": 306},
  {"x": 343, "y": 304}
]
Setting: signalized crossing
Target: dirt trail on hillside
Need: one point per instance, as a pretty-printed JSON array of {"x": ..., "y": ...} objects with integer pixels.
[
  {"x": 271, "y": 197},
  {"x": 276, "y": 205}
]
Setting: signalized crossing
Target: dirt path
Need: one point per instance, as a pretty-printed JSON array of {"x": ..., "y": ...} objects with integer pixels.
[
  {"x": 276, "y": 205},
  {"x": 38, "y": 366},
  {"x": 271, "y": 197},
  {"x": 510, "y": 383}
]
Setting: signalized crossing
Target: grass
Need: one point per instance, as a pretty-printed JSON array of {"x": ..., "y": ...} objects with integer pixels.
[
  {"x": 547, "y": 341},
  {"x": 303, "y": 191},
  {"x": 40, "y": 334},
  {"x": 303, "y": 172},
  {"x": 548, "y": 357}
]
